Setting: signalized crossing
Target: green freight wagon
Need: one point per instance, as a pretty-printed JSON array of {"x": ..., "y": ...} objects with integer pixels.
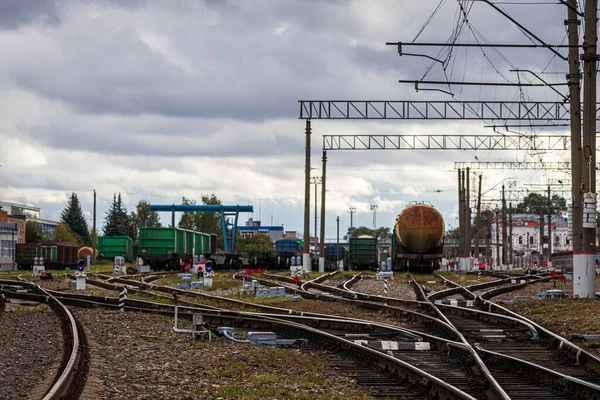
[
  {"x": 110, "y": 247},
  {"x": 363, "y": 253},
  {"x": 163, "y": 248}
]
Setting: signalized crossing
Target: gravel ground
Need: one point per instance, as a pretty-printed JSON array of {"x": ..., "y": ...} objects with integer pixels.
[
  {"x": 30, "y": 350},
  {"x": 136, "y": 358},
  {"x": 399, "y": 289}
]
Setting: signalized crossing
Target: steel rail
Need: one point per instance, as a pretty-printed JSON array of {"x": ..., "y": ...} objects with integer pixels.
[
  {"x": 63, "y": 384},
  {"x": 434, "y": 385}
]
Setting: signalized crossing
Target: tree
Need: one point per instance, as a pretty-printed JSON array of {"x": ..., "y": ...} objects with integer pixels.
[
  {"x": 201, "y": 222},
  {"x": 35, "y": 233},
  {"x": 142, "y": 217},
  {"x": 536, "y": 202},
  {"x": 73, "y": 217},
  {"x": 362, "y": 230},
  {"x": 62, "y": 233},
  {"x": 117, "y": 222},
  {"x": 259, "y": 242},
  {"x": 383, "y": 232}
]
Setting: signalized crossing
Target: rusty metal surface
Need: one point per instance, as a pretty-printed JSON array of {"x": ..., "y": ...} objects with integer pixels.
[{"x": 420, "y": 228}]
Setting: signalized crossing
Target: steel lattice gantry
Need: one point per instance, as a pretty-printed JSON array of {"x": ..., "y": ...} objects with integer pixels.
[
  {"x": 422, "y": 110},
  {"x": 229, "y": 235},
  {"x": 446, "y": 142},
  {"x": 516, "y": 165}
]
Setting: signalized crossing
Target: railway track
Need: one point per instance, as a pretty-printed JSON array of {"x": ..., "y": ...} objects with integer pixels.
[
  {"x": 72, "y": 374},
  {"x": 550, "y": 367},
  {"x": 363, "y": 351}
]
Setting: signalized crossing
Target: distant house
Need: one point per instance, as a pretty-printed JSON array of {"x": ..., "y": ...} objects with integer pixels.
[
  {"x": 9, "y": 233},
  {"x": 21, "y": 214},
  {"x": 253, "y": 228}
]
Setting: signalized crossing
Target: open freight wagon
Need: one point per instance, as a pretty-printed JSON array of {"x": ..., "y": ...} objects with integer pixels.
[
  {"x": 163, "y": 248},
  {"x": 110, "y": 247},
  {"x": 363, "y": 254}
]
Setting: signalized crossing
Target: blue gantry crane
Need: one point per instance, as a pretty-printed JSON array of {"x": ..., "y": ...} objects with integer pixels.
[{"x": 225, "y": 211}]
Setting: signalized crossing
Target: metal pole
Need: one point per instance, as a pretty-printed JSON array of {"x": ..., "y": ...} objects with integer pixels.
[
  {"x": 549, "y": 229},
  {"x": 306, "y": 250},
  {"x": 510, "y": 234},
  {"x": 94, "y": 233},
  {"x": 316, "y": 182},
  {"x": 468, "y": 218},
  {"x": 497, "y": 238},
  {"x": 337, "y": 248},
  {"x": 584, "y": 277},
  {"x": 504, "y": 220},
  {"x": 575, "y": 107},
  {"x": 323, "y": 190},
  {"x": 541, "y": 237},
  {"x": 478, "y": 224},
  {"x": 460, "y": 217}
]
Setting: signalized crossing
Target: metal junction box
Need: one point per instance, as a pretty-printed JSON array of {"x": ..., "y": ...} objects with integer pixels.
[{"x": 266, "y": 338}]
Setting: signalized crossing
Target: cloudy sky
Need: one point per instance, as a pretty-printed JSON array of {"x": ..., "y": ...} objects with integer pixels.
[{"x": 163, "y": 99}]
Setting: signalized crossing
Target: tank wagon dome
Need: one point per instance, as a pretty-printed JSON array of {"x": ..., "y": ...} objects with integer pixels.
[{"x": 420, "y": 228}]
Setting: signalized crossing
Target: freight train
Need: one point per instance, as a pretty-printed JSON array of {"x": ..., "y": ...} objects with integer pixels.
[
  {"x": 163, "y": 248},
  {"x": 418, "y": 240},
  {"x": 56, "y": 255}
]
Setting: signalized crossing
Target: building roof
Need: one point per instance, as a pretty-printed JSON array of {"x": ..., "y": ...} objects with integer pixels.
[
  {"x": 6, "y": 203},
  {"x": 260, "y": 228}
]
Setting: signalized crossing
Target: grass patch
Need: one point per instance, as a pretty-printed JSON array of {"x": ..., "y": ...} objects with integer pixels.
[{"x": 42, "y": 308}]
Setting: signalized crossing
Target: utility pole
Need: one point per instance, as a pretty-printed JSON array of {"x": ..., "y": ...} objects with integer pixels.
[
  {"x": 460, "y": 220},
  {"x": 584, "y": 276},
  {"x": 306, "y": 251},
  {"x": 504, "y": 221},
  {"x": 94, "y": 235},
  {"x": 488, "y": 234},
  {"x": 337, "y": 247},
  {"x": 510, "y": 235},
  {"x": 541, "y": 236},
  {"x": 468, "y": 220},
  {"x": 497, "y": 239},
  {"x": 478, "y": 224},
  {"x": 576, "y": 216},
  {"x": 374, "y": 208},
  {"x": 352, "y": 210},
  {"x": 323, "y": 190},
  {"x": 316, "y": 181},
  {"x": 549, "y": 229}
]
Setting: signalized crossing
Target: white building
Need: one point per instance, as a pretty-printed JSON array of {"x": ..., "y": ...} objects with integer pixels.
[
  {"x": 526, "y": 238},
  {"x": 9, "y": 233}
]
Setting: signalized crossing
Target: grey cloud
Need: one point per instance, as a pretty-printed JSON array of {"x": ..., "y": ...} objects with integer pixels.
[{"x": 14, "y": 14}]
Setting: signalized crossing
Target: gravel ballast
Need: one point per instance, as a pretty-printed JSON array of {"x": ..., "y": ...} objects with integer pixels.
[
  {"x": 137, "y": 359},
  {"x": 30, "y": 350}
]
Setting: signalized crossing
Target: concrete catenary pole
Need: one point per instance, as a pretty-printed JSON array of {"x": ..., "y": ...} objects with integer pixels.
[
  {"x": 478, "y": 224},
  {"x": 504, "y": 221},
  {"x": 323, "y": 190},
  {"x": 584, "y": 276},
  {"x": 549, "y": 229},
  {"x": 460, "y": 221},
  {"x": 306, "y": 250},
  {"x": 497, "y": 238},
  {"x": 468, "y": 220},
  {"x": 541, "y": 236},
  {"x": 337, "y": 247},
  {"x": 510, "y": 236},
  {"x": 94, "y": 235},
  {"x": 576, "y": 216}
]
